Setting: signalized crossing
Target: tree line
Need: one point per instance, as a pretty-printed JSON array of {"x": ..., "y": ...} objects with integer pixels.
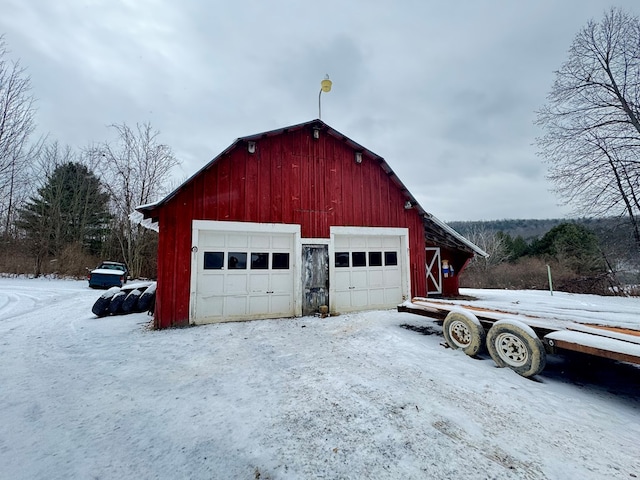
[
  {"x": 585, "y": 256},
  {"x": 64, "y": 208}
]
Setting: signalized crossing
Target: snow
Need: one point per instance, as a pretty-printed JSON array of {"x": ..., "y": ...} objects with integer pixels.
[
  {"x": 598, "y": 342},
  {"x": 517, "y": 323},
  {"x": 467, "y": 314},
  {"x": 108, "y": 271},
  {"x": 619, "y": 312},
  {"x": 627, "y": 337},
  {"x": 366, "y": 395},
  {"x": 138, "y": 218}
]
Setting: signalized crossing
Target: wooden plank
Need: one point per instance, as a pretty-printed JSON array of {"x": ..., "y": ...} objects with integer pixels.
[
  {"x": 598, "y": 352},
  {"x": 625, "y": 331},
  {"x": 624, "y": 334},
  {"x": 480, "y": 312},
  {"x": 595, "y": 345},
  {"x": 542, "y": 326}
]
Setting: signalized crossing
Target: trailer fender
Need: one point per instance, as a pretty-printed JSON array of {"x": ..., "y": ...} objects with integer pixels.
[
  {"x": 515, "y": 345},
  {"x": 463, "y": 330}
]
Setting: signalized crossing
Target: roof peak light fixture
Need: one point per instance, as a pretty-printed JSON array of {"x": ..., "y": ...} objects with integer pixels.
[{"x": 325, "y": 86}]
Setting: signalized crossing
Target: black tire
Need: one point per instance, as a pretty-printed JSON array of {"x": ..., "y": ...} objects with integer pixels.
[
  {"x": 116, "y": 303},
  {"x": 461, "y": 331},
  {"x": 129, "y": 304},
  {"x": 101, "y": 307},
  {"x": 513, "y": 344},
  {"x": 144, "y": 302}
]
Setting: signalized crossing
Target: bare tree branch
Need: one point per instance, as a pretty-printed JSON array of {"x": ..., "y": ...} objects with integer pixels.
[
  {"x": 136, "y": 170},
  {"x": 592, "y": 121},
  {"x": 16, "y": 126}
]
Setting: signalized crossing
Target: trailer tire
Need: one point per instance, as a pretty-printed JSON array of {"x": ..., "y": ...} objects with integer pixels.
[
  {"x": 464, "y": 331},
  {"x": 515, "y": 345}
]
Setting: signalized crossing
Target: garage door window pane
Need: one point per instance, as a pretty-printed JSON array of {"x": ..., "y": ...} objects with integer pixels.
[
  {"x": 259, "y": 261},
  {"x": 280, "y": 261},
  {"x": 375, "y": 259},
  {"x": 213, "y": 260},
  {"x": 237, "y": 261},
  {"x": 359, "y": 259},
  {"x": 390, "y": 258},
  {"x": 342, "y": 259}
]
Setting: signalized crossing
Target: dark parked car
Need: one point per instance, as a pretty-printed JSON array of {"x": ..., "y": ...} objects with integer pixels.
[{"x": 108, "y": 274}]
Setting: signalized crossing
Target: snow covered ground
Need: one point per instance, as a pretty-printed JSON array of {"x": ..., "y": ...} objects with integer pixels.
[{"x": 367, "y": 395}]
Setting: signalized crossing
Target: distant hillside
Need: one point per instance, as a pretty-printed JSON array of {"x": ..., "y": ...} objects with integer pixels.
[
  {"x": 615, "y": 234},
  {"x": 527, "y": 229}
]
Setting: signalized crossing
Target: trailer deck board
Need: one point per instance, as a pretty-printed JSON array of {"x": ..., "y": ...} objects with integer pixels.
[
  {"x": 623, "y": 334},
  {"x": 443, "y": 307},
  {"x": 595, "y": 345},
  {"x": 618, "y": 343}
]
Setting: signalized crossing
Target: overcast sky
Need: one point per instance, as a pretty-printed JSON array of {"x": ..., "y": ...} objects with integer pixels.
[{"x": 446, "y": 92}]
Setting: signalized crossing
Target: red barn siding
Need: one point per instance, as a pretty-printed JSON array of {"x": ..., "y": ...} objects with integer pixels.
[{"x": 291, "y": 178}]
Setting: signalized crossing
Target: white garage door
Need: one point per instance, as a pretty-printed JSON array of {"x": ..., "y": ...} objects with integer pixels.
[
  {"x": 243, "y": 274},
  {"x": 369, "y": 270}
]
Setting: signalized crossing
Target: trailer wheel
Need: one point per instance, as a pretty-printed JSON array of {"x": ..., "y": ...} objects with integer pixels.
[
  {"x": 463, "y": 330},
  {"x": 515, "y": 345}
]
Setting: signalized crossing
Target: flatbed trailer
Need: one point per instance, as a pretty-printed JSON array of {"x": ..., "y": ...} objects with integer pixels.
[{"x": 521, "y": 341}]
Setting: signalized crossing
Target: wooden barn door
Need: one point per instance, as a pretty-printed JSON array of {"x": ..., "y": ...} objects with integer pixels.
[
  {"x": 434, "y": 270},
  {"x": 315, "y": 278}
]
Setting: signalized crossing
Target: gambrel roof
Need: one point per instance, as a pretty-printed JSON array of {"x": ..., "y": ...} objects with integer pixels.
[{"x": 436, "y": 232}]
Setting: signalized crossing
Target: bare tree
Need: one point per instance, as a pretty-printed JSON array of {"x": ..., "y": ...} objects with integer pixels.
[
  {"x": 136, "y": 170},
  {"x": 491, "y": 242},
  {"x": 592, "y": 121},
  {"x": 16, "y": 126}
]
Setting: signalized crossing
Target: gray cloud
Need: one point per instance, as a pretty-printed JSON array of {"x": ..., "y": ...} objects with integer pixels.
[{"x": 447, "y": 93}]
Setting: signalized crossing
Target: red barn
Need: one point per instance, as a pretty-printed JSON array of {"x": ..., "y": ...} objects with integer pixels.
[{"x": 285, "y": 222}]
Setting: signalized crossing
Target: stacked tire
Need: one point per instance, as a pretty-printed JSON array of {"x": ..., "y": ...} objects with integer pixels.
[
  {"x": 101, "y": 307},
  {"x": 121, "y": 301}
]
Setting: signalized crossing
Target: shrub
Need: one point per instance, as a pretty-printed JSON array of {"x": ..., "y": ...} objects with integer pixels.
[{"x": 531, "y": 273}]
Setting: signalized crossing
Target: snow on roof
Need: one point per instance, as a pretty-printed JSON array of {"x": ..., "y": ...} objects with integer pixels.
[{"x": 138, "y": 217}]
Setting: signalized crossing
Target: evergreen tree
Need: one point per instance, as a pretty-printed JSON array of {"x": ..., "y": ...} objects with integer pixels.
[
  {"x": 574, "y": 246},
  {"x": 516, "y": 247},
  {"x": 71, "y": 207}
]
